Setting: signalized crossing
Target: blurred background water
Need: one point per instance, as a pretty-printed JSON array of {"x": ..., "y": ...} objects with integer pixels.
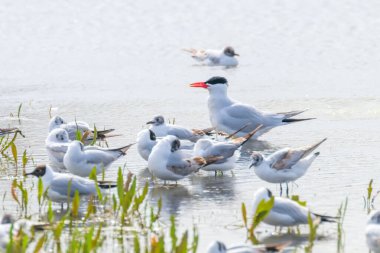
[{"x": 119, "y": 63}]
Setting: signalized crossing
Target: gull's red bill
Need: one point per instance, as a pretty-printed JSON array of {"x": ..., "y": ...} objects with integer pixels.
[{"x": 199, "y": 85}]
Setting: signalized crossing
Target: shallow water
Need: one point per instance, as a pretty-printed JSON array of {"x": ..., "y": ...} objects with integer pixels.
[{"x": 118, "y": 63}]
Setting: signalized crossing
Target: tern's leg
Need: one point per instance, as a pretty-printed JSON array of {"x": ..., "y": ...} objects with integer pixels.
[
  {"x": 287, "y": 190},
  {"x": 280, "y": 189},
  {"x": 215, "y": 173}
]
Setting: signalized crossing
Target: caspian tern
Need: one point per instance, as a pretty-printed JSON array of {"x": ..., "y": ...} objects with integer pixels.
[
  {"x": 228, "y": 115},
  {"x": 285, "y": 165},
  {"x": 168, "y": 162},
  {"x": 161, "y": 129},
  {"x": 57, "y": 185},
  {"x": 209, "y": 148},
  {"x": 81, "y": 161},
  {"x": 225, "y": 57},
  {"x": 73, "y": 127},
  {"x": 286, "y": 212},
  {"x": 372, "y": 231}
]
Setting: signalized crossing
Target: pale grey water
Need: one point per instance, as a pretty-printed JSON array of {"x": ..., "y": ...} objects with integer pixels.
[{"x": 118, "y": 63}]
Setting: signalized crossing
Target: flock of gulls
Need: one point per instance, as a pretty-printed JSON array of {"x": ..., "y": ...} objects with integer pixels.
[{"x": 174, "y": 152}]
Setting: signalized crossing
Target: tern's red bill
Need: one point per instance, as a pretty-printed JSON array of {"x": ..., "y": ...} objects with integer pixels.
[{"x": 199, "y": 85}]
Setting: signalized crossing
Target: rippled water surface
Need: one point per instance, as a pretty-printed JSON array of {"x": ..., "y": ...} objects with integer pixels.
[{"x": 119, "y": 63}]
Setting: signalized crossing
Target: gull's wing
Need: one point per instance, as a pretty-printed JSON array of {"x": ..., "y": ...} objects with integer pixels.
[
  {"x": 225, "y": 150},
  {"x": 179, "y": 162},
  {"x": 180, "y": 132},
  {"x": 105, "y": 157},
  {"x": 286, "y": 159},
  {"x": 197, "y": 54},
  {"x": 84, "y": 186},
  {"x": 291, "y": 209},
  {"x": 58, "y": 147}
]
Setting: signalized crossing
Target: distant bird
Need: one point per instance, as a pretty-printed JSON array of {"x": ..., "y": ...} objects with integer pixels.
[
  {"x": 228, "y": 115},
  {"x": 161, "y": 129},
  {"x": 220, "y": 247},
  {"x": 286, "y": 212},
  {"x": 209, "y": 148},
  {"x": 285, "y": 165},
  {"x": 58, "y": 185},
  {"x": 168, "y": 162},
  {"x": 372, "y": 231},
  {"x": 81, "y": 161},
  {"x": 5, "y": 131},
  {"x": 73, "y": 127},
  {"x": 225, "y": 57}
]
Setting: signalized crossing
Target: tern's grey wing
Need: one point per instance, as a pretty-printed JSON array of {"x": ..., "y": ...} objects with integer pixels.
[
  {"x": 291, "y": 209},
  {"x": 82, "y": 185},
  {"x": 238, "y": 115}
]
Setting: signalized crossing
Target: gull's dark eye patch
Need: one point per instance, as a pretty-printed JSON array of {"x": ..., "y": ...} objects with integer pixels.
[
  {"x": 217, "y": 80},
  {"x": 269, "y": 193}
]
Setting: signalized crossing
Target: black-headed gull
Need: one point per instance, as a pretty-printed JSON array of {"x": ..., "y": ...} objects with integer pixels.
[
  {"x": 285, "y": 165},
  {"x": 224, "y": 57},
  {"x": 56, "y": 145},
  {"x": 372, "y": 231},
  {"x": 146, "y": 140},
  {"x": 209, "y": 148},
  {"x": 220, "y": 247},
  {"x": 228, "y": 115},
  {"x": 81, "y": 161},
  {"x": 162, "y": 129},
  {"x": 73, "y": 127},
  {"x": 286, "y": 212},
  {"x": 168, "y": 162},
  {"x": 57, "y": 184}
]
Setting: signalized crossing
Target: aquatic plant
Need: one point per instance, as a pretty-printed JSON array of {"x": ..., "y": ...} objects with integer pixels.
[
  {"x": 340, "y": 237},
  {"x": 261, "y": 212},
  {"x": 313, "y": 226},
  {"x": 369, "y": 200}
]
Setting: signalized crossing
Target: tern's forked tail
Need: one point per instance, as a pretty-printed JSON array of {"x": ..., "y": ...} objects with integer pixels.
[{"x": 295, "y": 120}]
